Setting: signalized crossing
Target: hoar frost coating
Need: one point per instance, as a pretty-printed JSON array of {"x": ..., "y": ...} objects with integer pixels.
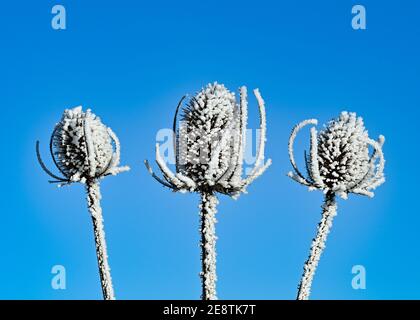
[
  {"x": 329, "y": 211},
  {"x": 208, "y": 124},
  {"x": 210, "y": 144},
  {"x": 339, "y": 159},
  {"x": 82, "y": 148},
  {"x": 208, "y": 210},
  {"x": 209, "y": 148},
  {"x": 338, "y": 163},
  {"x": 94, "y": 206}
]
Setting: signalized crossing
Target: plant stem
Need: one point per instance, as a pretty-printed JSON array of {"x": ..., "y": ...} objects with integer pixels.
[
  {"x": 208, "y": 245},
  {"x": 329, "y": 211},
  {"x": 94, "y": 205}
]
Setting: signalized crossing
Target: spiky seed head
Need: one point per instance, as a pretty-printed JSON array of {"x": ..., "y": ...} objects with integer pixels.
[
  {"x": 206, "y": 133},
  {"x": 343, "y": 153},
  {"x": 210, "y": 143},
  {"x": 82, "y": 145}
]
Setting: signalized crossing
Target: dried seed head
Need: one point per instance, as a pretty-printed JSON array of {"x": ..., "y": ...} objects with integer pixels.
[
  {"x": 343, "y": 152},
  {"x": 82, "y": 145},
  {"x": 209, "y": 124},
  {"x": 83, "y": 148},
  {"x": 210, "y": 144},
  {"x": 339, "y": 160}
]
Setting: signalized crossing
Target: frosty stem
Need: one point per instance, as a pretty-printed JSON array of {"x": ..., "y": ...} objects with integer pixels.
[
  {"x": 94, "y": 205},
  {"x": 208, "y": 245},
  {"x": 329, "y": 210}
]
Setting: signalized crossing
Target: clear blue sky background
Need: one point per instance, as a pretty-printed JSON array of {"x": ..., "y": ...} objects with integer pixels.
[{"x": 130, "y": 61}]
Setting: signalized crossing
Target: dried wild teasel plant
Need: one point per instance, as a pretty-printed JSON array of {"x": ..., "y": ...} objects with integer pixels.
[
  {"x": 339, "y": 163},
  {"x": 84, "y": 150},
  {"x": 209, "y": 150}
]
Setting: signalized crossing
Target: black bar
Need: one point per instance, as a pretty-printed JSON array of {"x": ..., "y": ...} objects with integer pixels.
[{"x": 222, "y": 309}]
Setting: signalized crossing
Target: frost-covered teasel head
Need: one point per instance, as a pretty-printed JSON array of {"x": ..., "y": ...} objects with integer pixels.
[
  {"x": 339, "y": 160},
  {"x": 208, "y": 125},
  {"x": 210, "y": 143},
  {"x": 83, "y": 148}
]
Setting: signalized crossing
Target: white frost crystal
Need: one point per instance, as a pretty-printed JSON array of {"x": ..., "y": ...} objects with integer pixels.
[
  {"x": 208, "y": 210},
  {"x": 338, "y": 163},
  {"x": 85, "y": 150},
  {"x": 210, "y": 144},
  {"x": 339, "y": 159},
  {"x": 82, "y": 148},
  {"x": 329, "y": 211},
  {"x": 208, "y": 124},
  {"x": 94, "y": 205},
  {"x": 209, "y": 148}
]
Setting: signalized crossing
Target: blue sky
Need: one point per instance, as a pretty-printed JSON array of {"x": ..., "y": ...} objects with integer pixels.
[{"x": 130, "y": 62}]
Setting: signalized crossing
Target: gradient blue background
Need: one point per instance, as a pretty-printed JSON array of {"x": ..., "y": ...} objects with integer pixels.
[{"x": 131, "y": 61}]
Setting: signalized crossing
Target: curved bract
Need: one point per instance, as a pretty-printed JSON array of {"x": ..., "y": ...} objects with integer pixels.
[
  {"x": 210, "y": 144},
  {"x": 82, "y": 148},
  {"x": 339, "y": 160}
]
